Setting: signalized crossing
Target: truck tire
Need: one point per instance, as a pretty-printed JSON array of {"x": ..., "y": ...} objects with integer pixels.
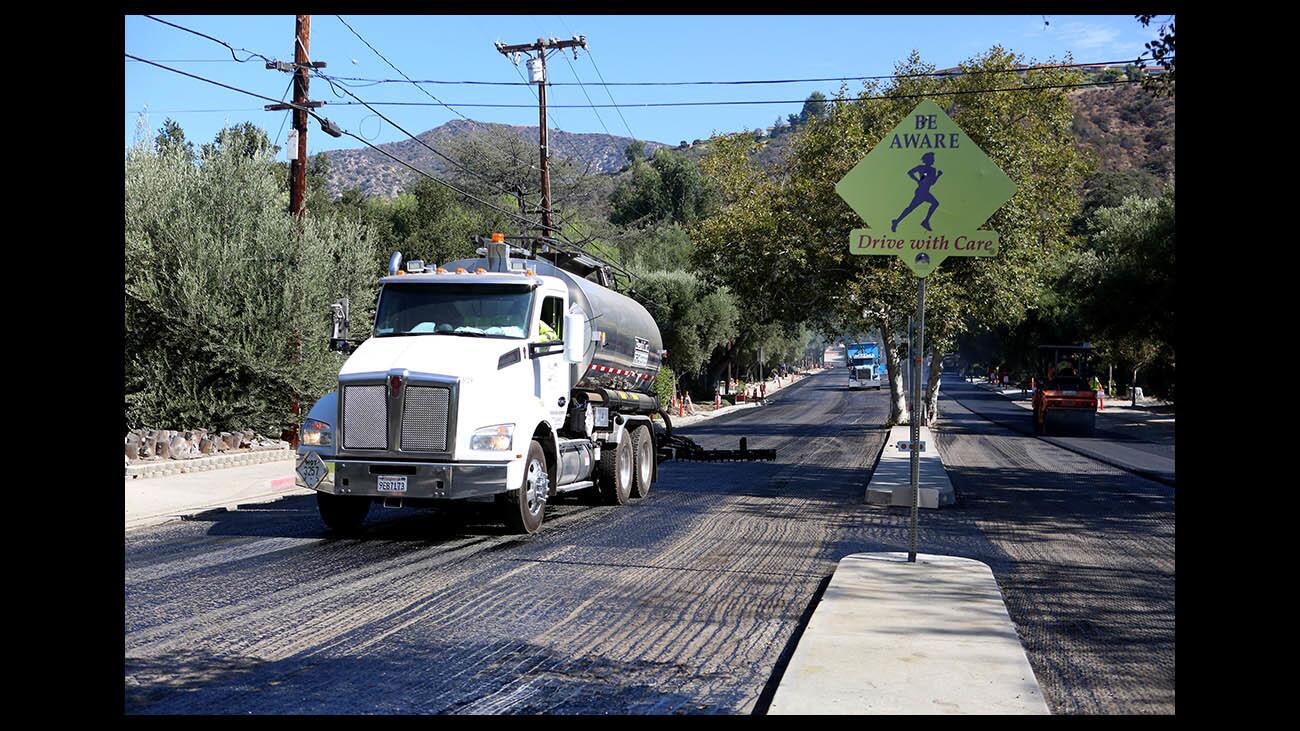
[
  {"x": 342, "y": 513},
  {"x": 524, "y": 507},
  {"x": 643, "y": 472},
  {"x": 615, "y": 472}
]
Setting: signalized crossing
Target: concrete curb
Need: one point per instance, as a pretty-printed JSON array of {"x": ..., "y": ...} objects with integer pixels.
[
  {"x": 891, "y": 482},
  {"x": 166, "y": 467},
  {"x": 931, "y": 637},
  {"x": 157, "y": 501}
]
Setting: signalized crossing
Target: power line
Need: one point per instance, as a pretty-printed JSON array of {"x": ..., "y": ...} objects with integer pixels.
[
  {"x": 641, "y": 105},
  {"x": 878, "y": 77},
  {"x": 224, "y": 86},
  {"x": 192, "y": 111},
  {"x": 229, "y": 47},
  {"x": 192, "y": 60},
  {"x": 585, "y": 94},
  {"x": 492, "y": 184},
  {"x": 287, "y": 113},
  {"x": 354, "y": 136},
  {"x": 422, "y": 89},
  {"x": 602, "y": 81}
]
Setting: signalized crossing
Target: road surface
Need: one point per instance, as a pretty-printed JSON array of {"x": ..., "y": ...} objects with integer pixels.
[{"x": 683, "y": 602}]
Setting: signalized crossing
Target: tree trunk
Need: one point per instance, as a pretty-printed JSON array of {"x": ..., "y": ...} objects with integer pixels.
[
  {"x": 932, "y": 388},
  {"x": 897, "y": 399},
  {"x": 723, "y": 364},
  {"x": 1133, "y": 389}
]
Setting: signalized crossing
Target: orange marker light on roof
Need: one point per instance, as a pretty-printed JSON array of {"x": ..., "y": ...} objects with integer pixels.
[
  {"x": 460, "y": 270},
  {"x": 400, "y": 272},
  {"x": 498, "y": 238},
  {"x": 480, "y": 270},
  {"x": 440, "y": 270}
]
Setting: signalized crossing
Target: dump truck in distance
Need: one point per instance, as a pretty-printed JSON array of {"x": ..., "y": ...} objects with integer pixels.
[{"x": 863, "y": 363}]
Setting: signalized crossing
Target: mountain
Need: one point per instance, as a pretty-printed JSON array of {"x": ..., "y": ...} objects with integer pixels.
[
  {"x": 1124, "y": 129},
  {"x": 376, "y": 174},
  {"x": 1127, "y": 128}
]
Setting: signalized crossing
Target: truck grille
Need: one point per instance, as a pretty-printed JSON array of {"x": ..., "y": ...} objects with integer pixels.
[
  {"x": 424, "y": 419},
  {"x": 365, "y": 417}
]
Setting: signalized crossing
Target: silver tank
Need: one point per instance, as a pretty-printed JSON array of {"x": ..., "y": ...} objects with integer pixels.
[{"x": 630, "y": 352}]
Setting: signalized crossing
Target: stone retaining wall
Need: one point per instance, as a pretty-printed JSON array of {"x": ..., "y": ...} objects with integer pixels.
[{"x": 162, "y": 468}]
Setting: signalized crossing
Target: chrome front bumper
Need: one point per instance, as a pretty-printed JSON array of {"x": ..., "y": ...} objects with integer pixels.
[{"x": 448, "y": 481}]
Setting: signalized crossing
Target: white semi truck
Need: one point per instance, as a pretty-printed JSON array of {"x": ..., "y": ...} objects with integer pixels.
[{"x": 505, "y": 379}]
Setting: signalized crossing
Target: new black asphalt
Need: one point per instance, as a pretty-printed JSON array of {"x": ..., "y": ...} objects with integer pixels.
[{"x": 683, "y": 602}]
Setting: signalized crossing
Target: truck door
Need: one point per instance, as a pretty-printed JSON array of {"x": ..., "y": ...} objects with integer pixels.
[{"x": 552, "y": 369}]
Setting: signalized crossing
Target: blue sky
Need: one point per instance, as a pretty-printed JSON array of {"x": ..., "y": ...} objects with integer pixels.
[{"x": 624, "y": 48}]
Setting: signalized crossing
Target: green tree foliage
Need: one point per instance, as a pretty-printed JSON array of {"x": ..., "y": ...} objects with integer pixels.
[
  {"x": 779, "y": 239},
  {"x": 665, "y": 247},
  {"x": 665, "y": 386},
  {"x": 171, "y": 140},
  {"x": 692, "y": 320},
  {"x": 1122, "y": 283},
  {"x": 226, "y": 297},
  {"x": 815, "y": 107},
  {"x": 668, "y": 187},
  {"x": 1162, "y": 52},
  {"x": 1107, "y": 189},
  {"x": 246, "y": 139}
]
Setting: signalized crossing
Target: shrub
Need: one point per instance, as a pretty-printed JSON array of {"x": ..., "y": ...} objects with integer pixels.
[{"x": 226, "y": 299}]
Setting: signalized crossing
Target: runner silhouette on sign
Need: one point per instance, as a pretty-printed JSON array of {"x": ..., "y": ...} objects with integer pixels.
[{"x": 924, "y": 176}]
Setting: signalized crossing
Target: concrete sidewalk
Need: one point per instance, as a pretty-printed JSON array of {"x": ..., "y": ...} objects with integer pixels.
[
  {"x": 160, "y": 499},
  {"x": 891, "y": 483},
  {"x": 892, "y": 637}
]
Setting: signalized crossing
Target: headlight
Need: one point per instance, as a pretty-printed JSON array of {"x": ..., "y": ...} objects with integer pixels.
[
  {"x": 495, "y": 438},
  {"x": 317, "y": 433}
]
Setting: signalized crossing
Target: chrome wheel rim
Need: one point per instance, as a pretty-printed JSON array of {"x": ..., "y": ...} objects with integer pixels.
[
  {"x": 644, "y": 455},
  {"x": 536, "y": 484},
  {"x": 624, "y": 469}
]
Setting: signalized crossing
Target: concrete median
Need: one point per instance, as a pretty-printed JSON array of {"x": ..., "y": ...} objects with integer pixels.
[{"x": 892, "y": 637}]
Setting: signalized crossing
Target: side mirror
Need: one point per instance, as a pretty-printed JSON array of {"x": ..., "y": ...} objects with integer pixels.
[
  {"x": 575, "y": 337},
  {"x": 339, "y": 326}
]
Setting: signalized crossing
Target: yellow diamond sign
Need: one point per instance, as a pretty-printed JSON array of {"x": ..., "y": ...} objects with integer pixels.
[{"x": 925, "y": 190}]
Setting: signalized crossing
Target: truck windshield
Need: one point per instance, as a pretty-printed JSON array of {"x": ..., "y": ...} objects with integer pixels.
[{"x": 480, "y": 310}]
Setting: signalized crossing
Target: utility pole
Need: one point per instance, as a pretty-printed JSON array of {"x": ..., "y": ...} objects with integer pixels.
[
  {"x": 537, "y": 75},
  {"x": 298, "y": 167},
  {"x": 300, "y": 68}
]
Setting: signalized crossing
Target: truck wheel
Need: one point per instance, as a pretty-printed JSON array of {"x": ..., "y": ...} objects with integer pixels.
[
  {"x": 643, "y": 448},
  {"x": 523, "y": 508},
  {"x": 615, "y": 478},
  {"x": 342, "y": 513}
]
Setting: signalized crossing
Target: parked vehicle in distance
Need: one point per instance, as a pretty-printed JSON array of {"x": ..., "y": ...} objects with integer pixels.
[
  {"x": 863, "y": 363},
  {"x": 1063, "y": 398}
]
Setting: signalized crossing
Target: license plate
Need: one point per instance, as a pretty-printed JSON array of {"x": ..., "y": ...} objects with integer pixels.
[
  {"x": 1069, "y": 393},
  {"x": 392, "y": 483}
]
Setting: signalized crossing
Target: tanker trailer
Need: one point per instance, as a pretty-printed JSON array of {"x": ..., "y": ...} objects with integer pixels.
[{"x": 500, "y": 379}]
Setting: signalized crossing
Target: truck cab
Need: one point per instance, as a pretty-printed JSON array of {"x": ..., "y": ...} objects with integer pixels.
[
  {"x": 490, "y": 385},
  {"x": 863, "y": 363}
]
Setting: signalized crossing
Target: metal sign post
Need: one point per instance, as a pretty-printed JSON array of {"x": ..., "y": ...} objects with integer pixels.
[
  {"x": 925, "y": 189},
  {"x": 918, "y": 408}
]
